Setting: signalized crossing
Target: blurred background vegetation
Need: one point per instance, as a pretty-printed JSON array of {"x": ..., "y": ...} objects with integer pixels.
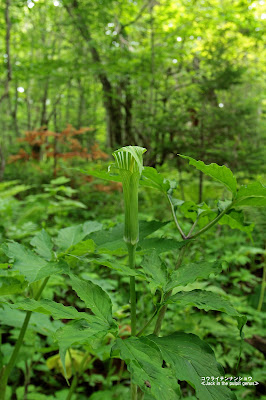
[{"x": 80, "y": 78}]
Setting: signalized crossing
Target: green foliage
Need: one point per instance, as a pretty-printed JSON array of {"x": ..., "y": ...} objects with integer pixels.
[
  {"x": 82, "y": 273},
  {"x": 219, "y": 173},
  {"x": 191, "y": 359},
  {"x": 145, "y": 362}
]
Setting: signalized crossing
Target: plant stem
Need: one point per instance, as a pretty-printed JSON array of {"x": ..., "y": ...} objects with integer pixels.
[
  {"x": 262, "y": 288},
  {"x": 148, "y": 323},
  {"x": 162, "y": 311},
  {"x": 131, "y": 261},
  {"x": 175, "y": 218},
  {"x": 131, "y": 256},
  {"x": 210, "y": 224},
  {"x": 7, "y": 370}
]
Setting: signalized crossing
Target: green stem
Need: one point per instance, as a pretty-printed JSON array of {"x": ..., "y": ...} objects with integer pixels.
[
  {"x": 7, "y": 370},
  {"x": 131, "y": 258},
  {"x": 262, "y": 288},
  {"x": 175, "y": 218},
  {"x": 210, "y": 224},
  {"x": 162, "y": 311},
  {"x": 148, "y": 322}
]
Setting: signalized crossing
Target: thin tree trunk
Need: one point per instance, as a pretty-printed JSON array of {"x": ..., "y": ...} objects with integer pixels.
[
  {"x": 128, "y": 117},
  {"x": 112, "y": 106},
  {"x": 43, "y": 120},
  {"x": 80, "y": 105},
  {"x": 2, "y": 163},
  {"x": 7, "y": 45}
]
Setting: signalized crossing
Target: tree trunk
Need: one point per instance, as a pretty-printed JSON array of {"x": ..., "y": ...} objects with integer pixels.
[
  {"x": 2, "y": 163},
  {"x": 8, "y": 60},
  {"x": 112, "y": 106},
  {"x": 129, "y": 138}
]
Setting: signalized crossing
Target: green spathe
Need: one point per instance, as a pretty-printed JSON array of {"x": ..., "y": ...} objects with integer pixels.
[{"x": 129, "y": 163}]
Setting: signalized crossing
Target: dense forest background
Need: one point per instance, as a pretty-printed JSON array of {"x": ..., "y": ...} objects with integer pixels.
[
  {"x": 172, "y": 76},
  {"x": 78, "y": 80}
]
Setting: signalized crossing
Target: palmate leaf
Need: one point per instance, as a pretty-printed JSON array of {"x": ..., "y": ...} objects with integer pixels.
[
  {"x": 253, "y": 194},
  {"x": 145, "y": 362},
  {"x": 189, "y": 273},
  {"x": 94, "y": 298},
  {"x": 221, "y": 174},
  {"x": 205, "y": 300},
  {"x": 190, "y": 359}
]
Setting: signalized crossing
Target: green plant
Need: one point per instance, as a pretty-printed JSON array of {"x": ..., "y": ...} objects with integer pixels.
[{"x": 156, "y": 364}]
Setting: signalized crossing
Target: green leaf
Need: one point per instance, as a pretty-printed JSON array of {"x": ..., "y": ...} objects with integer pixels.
[
  {"x": 30, "y": 265},
  {"x": 221, "y": 174},
  {"x": 189, "y": 273},
  {"x": 151, "y": 178},
  {"x": 162, "y": 245},
  {"x": 43, "y": 244},
  {"x": 191, "y": 359},
  {"x": 25, "y": 261},
  {"x": 94, "y": 298},
  {"x": 52, "y": 268},
  {"x": 72, "y": 235},
  {"x": 117, "y": 266},
  {"x": 253, "y": 194},
  {"x": 155, "y": 270},
  {"x": 79, "y": 332},
  {"x": 145, "y": 363},
  {"x": 101, "y": 174},
  {"x": 38, "y": 322},
  {"x": 236, "y": 221},
  {"x": 205, "y": 300},
  {"x": 112, "y": 240},
  {"x": 82, "y": 248},
  {"x": 12, "y": 284},
  {"x": 49, "y": 307}
]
